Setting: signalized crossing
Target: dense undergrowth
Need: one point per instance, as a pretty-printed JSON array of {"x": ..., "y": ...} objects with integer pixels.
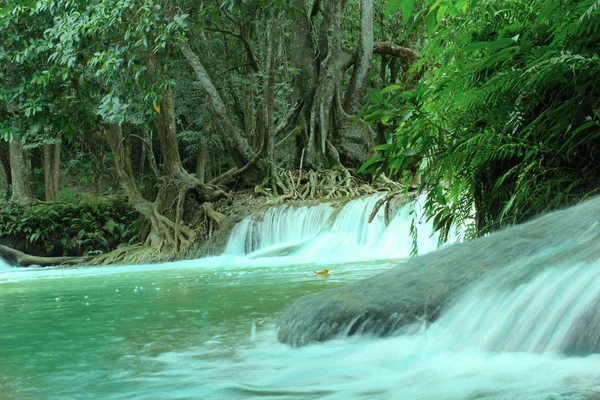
[
  {"x": 505, "y": 121},
  {"x": 81, "y": 227}
]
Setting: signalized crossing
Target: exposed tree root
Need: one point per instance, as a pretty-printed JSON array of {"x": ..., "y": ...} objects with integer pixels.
[{"x": 336, "y": 183}]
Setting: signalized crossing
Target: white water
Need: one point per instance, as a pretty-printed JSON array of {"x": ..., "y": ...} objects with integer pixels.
[
  {"x": 539, "y": 316},
  {"x": 495, "y": 342},
  {"x": 510, "y": 336},
  {"x": 4, "y": 266},
  {"x": 323, "y": 233}
]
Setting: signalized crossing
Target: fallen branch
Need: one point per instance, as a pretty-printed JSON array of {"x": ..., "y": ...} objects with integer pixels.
[
  {"x": 26, "y": 260},
  {"x": 380, "y": 204},
  {"x": 392, "y": 49}
]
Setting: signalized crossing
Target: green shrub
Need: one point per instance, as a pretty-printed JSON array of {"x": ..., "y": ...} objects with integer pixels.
[{"x": 81, "y": 227}]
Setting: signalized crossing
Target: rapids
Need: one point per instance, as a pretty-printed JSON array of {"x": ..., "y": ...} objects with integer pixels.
[{"x": 205, "y": 329}]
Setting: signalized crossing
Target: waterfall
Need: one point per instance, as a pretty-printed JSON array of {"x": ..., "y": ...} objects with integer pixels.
[
  {"x": 279, "y": 225},
  {"x": 4, "y": 266},
  {"x": 556, "y": 311},
  {"x": 328, "y": 231}
]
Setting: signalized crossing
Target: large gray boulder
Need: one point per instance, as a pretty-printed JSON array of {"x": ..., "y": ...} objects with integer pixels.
[{"x": 420, "y": 288}]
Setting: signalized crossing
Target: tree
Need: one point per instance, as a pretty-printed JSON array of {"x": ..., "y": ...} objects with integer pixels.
[
  {"x": 131, "y": 84},
  {"x": 505, "y": 118}
]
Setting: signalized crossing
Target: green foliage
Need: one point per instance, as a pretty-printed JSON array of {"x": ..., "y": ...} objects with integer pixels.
[
  {"x": 505, "y": 122},
  {"x": 82, "y": 227}
]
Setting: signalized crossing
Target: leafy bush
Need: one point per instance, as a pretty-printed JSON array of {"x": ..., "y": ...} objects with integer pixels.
[
  {"x": 87, "y": 226},
  {"x": 505, "y": 122}
]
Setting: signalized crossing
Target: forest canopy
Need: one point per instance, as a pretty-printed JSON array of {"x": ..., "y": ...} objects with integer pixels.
[{"x": 489, "y": 107}]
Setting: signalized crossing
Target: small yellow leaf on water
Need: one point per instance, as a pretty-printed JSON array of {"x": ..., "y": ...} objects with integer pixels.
[
  {"x": 324, "y": 271},
  {"x": 157, "y": 107}
]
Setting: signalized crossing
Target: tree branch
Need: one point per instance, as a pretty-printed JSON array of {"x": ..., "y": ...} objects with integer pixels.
[
  {"x": 392, "y": 49},
  {"x": 288, "y": 118},
  {"x": 25, "y": 260}
]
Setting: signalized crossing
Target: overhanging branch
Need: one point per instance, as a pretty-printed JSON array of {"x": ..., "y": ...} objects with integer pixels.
[{"x": 394, "y": 50}]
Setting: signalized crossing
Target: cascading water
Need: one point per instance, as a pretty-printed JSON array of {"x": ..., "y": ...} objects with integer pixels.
[
  {"x": 286, "y": 225},
  {"x": 4, "y": 266},
  {"x": 556, "y": 311},
  {"x": 328, "y": 232},
  {"x": 528, "y": 329}
]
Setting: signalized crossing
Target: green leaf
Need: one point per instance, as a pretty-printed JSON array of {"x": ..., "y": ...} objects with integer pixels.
[
  {"x": 431, "y": 23},
  {"x": 392, "y": 5},
  {"x": 441, "y": 13},
  {"x": 376, "y": 98},
  {"x": 496, "y": 44},
  {"x": 370, "y": 165},
  {"x": 390, "y": 88},
  {"x": 407, "y": 7}
]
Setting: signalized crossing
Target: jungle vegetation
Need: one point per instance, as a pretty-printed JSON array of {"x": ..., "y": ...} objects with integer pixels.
[{"x": 490, "y": 107}]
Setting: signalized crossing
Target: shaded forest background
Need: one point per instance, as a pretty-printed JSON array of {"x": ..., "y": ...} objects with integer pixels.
[{"x": 490, "y": 107}]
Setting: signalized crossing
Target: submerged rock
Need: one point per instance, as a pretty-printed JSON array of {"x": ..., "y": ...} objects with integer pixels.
[{"x": 421, "y": 287}]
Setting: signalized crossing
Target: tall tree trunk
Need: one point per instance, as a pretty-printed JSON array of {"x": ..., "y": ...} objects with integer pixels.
[
  {"x": 51, "y": 170},
  {"x": 249, "y": 117},
  {"x": 148, "y": 142},
  {"x": 120, "y": 147},
  {"x": 364, "y": 56},
  {"x": 238, "y": 147},
  {"x": 21, "y": 190},
  {"x": 304, "y": 59},
  {"x": 5, "y": 161},
  {"x": 330, "y": 76},
  {"x": 163, "y": 230},
  {"x": 201, "y": 163},
  {"x": 269, "y": 93},
  {"x": 167, "y": 138}
]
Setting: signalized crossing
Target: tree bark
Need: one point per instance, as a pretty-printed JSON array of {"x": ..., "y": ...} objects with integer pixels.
[
  {"x": 26, "y": 260},
  {"x": 269, "y": 93},
  {"x": 201, "y": 164},
  {"x": 364, "y": 56},
  {"x": 330, "y": 76},
  {"x": 51, "y": 170},
  {"x": 238, "y": 147},
  {"x": 5, "y": 161},
  {"x": 392, "y": 49},
  {"x": 249, "y": 117},
  {"x": 167, "y": 137},
  {"x": 303, "y": 59},
  {"x": 21, "y": 190}
]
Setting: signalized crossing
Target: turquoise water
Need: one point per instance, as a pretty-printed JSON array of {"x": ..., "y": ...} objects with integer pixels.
[
  {"x": 203, "y": 330},
  {"x": 120, "y": 332}
]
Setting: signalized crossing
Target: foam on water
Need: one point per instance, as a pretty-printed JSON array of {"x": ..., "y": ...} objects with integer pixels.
[
  {"x": 323, "y": 233},
  {"x": 4, "y": 266},
  {"x": 206, "y": 329},
  {"x": 495, "y": 342}
]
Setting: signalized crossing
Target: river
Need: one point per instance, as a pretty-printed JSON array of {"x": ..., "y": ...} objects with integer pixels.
[{"x": 205, "y": 329}]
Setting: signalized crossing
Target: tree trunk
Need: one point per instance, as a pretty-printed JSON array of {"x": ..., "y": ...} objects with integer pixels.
[
  {"x": 120, "y": 149},
  {"x": 51, "y": 170},
  {"x": 238, "y": 147},
  {"x": 330, "y": 77},
  {"x": 5, "y": 161},
  {"x": 249, "y": 117},
  {"x": 364, "y": 56},
  {"x": 147, "y": 136},
  {"x": 201, "y": 164},
  {"x": 269, "y": 93},
  {"x": 21, "y": 190},
  {"x": 167, "y": 138},
  {"x": 304, "y": 59}
]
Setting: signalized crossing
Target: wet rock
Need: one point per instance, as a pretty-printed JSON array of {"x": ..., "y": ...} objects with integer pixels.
[{"x": 420, "y": 288}]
